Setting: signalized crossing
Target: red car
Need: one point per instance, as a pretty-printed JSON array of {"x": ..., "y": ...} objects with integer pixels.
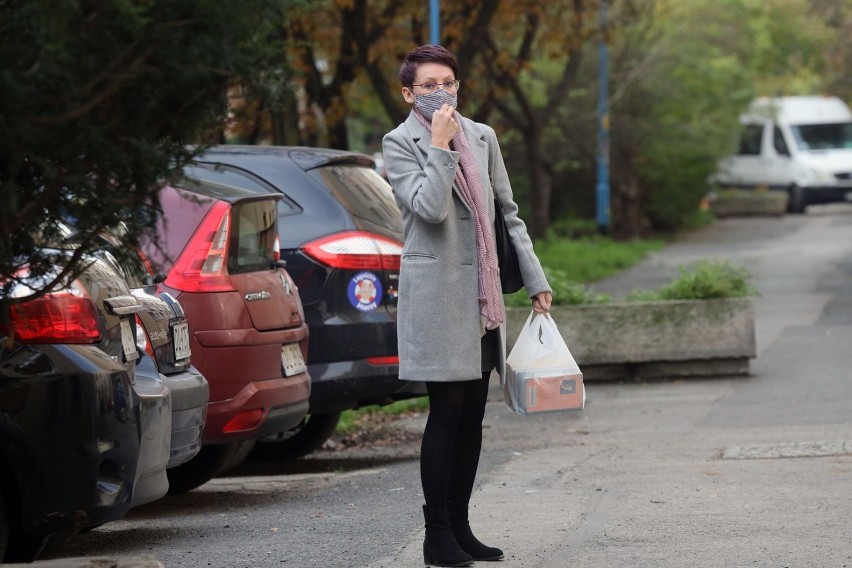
[{"x": 217, "y": 250}]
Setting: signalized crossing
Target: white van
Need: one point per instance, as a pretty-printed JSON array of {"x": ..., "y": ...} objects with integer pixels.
[{"x": 802, "y": 145}]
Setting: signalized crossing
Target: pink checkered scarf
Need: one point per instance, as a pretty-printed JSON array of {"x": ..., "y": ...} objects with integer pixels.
[{"x": 467, "y": 178}]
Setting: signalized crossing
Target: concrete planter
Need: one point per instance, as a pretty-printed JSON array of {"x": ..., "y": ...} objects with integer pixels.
[
  {"x": 646, "y": 340},
  {"x": 742, "y": 203}
]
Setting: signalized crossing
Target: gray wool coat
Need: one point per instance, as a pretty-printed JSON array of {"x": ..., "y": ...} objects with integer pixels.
[{"x": 438, "y": 321}]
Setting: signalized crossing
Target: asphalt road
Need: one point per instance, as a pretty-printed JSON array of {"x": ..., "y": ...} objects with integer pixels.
[{"x": 749, "y": 471}]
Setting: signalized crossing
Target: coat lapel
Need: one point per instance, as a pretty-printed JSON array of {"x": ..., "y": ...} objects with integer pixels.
[{"x": 420, "y": 135}]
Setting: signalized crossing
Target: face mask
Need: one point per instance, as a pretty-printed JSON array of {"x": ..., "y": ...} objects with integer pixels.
[{"x": 428, "y": 104}]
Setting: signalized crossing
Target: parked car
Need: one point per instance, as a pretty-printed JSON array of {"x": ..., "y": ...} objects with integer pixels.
[
  {"x": 800, "y": 145},
  {"x": 69, "y": 435},
  {"x": 341, "y": 237},
  {"x": 153, "y": 407},
  {"x": 216, "y": 253},
  {"x": 162, "y": 332}
]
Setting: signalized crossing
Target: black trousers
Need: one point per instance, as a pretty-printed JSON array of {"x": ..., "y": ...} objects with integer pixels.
[{"x": 452, "y": 440}]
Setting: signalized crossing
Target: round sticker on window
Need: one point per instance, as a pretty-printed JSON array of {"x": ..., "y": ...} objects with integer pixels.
[{"x": 365, "y": 291}]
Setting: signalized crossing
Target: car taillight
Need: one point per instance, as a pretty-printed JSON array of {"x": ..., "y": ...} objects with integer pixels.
[
  {"x": 387, "y": 360},
  {"x": 61, "y": 317},
  {"x": 244, "y": 420},
  {"x": 356, "y": 250},
  {"x": 276, "y": 249},
  {"x": 203, "y": 264},
  {"x": 143, "y": 342}
]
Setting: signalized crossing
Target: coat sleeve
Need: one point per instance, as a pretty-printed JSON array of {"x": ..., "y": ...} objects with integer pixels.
[
  {"x": 425, "y": 190},
  {"x": 535, "y": 281}
]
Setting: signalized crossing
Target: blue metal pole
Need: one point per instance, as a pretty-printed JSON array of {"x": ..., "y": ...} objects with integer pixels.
[
  {"x": 602, "y": 189},
  {"x": 435, "y": 22}
]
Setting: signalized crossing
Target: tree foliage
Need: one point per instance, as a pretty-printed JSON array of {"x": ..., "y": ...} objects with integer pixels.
[{"x": 100, "y": 101}]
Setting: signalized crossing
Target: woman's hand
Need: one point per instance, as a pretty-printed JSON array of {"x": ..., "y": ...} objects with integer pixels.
[
  {"x": 541, "y": 302},
  {"x": 444, "y": 127}
]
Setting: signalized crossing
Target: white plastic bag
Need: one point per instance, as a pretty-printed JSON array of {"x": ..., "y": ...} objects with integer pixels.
[{"x": 541, "y": 374}]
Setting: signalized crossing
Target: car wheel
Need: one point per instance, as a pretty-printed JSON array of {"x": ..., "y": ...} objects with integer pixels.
[
  {"x": 797, "y": 201},
  {"x": 15, "y": 547},
  {"x": 209, "y": 462},
  {"x": 4, "y": 528},
  {"x": 308, "y": 436}
]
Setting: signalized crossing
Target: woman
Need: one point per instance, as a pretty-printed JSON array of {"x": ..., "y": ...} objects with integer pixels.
[{"x": 444, "y": 169}]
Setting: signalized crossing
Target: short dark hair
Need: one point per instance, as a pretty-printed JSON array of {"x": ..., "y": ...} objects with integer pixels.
[{"x": 425, "y": 54}]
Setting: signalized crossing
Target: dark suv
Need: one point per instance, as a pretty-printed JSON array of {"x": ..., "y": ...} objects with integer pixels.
[
  {"x": 341, "y": 237},
  {"x": 69, "y": 443}
]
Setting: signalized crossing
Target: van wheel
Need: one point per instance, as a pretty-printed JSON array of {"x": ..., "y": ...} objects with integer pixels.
[
  {"x": 309, "y": 435},
  {"x": 796, "y": 201},
  {"x": 207, "y": 463}
]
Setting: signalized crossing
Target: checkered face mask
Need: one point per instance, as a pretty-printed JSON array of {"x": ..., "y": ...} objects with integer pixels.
[{"x": 428, "y": 104}]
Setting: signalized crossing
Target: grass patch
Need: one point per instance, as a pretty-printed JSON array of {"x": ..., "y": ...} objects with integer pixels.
[
  {"x": 570, "y": 264},
  {"x": 353, "y": 420}
]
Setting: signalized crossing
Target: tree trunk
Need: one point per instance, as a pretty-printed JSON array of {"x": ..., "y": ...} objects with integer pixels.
[
  {"x": 628, "y": 212},
  {"x": 541, "y": 184},
  {"x": 285, "y": 120},
  {"x": 338, "y": 133}
]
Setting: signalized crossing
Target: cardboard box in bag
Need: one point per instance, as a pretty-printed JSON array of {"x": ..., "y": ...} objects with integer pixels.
[{"x": 533, "y": 394}]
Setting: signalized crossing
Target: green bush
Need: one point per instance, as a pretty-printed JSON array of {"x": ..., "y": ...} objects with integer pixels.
[{"x": 707, "y": 280}]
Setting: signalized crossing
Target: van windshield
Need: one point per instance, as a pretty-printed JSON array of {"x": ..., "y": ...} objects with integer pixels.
[{"x": 811, "y": 137}]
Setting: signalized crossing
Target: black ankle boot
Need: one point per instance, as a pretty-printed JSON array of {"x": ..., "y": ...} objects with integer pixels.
[
  {"x": 464, "y": 536},
  {"x": 440, "y": 547}
]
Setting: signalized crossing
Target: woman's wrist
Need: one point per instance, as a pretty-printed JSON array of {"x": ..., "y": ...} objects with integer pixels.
[{"x": 442, "y": 144}]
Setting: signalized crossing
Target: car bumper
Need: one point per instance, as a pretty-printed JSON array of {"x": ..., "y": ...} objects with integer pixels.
[
  {"x": 155, "y": 432},
  {"x": 827, "y": 194},
  {"x": 349, "y": 384},
  {"x": 284, "y": 402},
  {"x": 70, "y": 437},
  {"x": 190, "y": 395}
]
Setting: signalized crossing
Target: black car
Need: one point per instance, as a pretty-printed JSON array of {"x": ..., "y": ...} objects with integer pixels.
[
  {"x": 341, "y": 237},
  {"x": 69, "y": 438}
]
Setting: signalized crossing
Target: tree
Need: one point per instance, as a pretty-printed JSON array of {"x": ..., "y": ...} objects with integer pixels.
[
  {"x": 717, "y": 55},
  {"x": 100, "y": 104}
]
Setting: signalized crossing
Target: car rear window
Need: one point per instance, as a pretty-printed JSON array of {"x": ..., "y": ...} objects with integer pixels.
[
  {"x": 224, "y": 177},
  {"x": 363, "y": 192},
  {"x": 254, "y": 227}
]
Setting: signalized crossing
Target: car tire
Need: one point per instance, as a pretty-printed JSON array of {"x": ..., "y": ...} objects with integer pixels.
[
  {"x": 208, "y": 463},
  {"x": 4, "y": 528},
  {"x": 309, "y": 435},
  {"x": 797, "y": 202}
]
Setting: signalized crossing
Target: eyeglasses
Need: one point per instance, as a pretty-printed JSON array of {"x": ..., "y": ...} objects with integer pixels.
[{"x": 450, "y": 87}]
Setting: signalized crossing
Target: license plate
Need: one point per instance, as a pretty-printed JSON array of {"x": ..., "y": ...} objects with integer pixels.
[
  {"x": 291, "y": 358},
  {"x": 127, "y": 341},
  {"x": 180, "y": 335}
]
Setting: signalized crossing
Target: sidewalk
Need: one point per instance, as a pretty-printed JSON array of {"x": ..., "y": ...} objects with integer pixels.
[{"x": 724, "y": 472}]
